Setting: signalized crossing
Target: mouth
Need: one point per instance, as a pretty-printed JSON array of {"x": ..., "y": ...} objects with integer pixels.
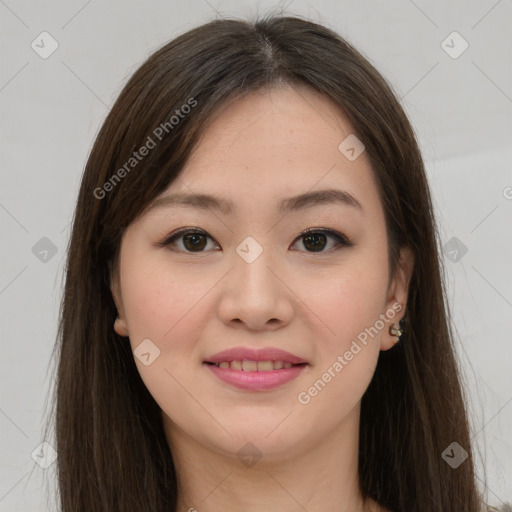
[
  {"x": 247, "y": 365},
  {"x": 253, "y": 375},
  {"x": 255, "y": 369}
]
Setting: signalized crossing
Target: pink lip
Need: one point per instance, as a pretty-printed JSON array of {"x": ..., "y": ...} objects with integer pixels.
[
  {"x": 252, "y": 354},
  {"x": 254, "y": 380}
]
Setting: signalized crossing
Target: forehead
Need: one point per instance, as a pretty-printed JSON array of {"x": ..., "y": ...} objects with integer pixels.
[
  {"x": 289, "y": 122},
  {"x": 273, "y": 144}
]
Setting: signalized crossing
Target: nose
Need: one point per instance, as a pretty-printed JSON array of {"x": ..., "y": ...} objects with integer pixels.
[{"x": 255, "y": 295}]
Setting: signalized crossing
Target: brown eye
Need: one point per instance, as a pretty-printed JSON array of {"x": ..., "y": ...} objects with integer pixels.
[
  {"x": 196, "y": 241},
  {"x": 315, "y": 240},
  {"x": 192, "y": 240}
]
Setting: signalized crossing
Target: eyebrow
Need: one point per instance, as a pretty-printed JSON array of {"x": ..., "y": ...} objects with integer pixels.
[{"x": 295, "y": 203}]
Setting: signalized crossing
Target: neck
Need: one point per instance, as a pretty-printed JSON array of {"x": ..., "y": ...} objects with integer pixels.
[{"x": 320, "y": 477}]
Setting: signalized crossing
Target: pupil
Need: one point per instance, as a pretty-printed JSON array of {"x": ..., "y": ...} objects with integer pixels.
[
  {"x": 196, "y": 243},
  {"x": 318, "y": 239}
]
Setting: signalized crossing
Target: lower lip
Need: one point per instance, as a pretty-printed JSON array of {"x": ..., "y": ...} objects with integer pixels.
[{"x": 254, "y": 380}]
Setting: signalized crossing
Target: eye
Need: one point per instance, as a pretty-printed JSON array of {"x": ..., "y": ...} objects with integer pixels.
[
  {"x": 314, "y": 239},
  {"x": 194, "y": 240}
]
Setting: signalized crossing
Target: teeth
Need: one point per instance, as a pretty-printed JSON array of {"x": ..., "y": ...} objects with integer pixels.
[
  {"x": 252, "y": 366},
  {"x": 249, "y": 366},
  {"x": 265, "y": 366},
  {"x": 236, "y": 365}
]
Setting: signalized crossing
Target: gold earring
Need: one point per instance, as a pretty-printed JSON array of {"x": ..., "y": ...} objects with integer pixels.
[{"x": 394, "y": 330}]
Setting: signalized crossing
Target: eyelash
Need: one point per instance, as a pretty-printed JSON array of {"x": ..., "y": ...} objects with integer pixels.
[{"x": 343, "y": 241}]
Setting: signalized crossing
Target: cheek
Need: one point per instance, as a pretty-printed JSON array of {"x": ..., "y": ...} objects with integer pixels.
[
  {"x": 345, "y": 358},
  {"x": 163, "y": 308},
  {"x": 349, "y": 304},
  {"x": 350, "y": 299},
  {"x": 168, "y": 308}
]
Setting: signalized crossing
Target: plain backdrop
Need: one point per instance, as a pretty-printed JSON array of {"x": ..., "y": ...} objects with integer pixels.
[{"x": 456, "y": 89}]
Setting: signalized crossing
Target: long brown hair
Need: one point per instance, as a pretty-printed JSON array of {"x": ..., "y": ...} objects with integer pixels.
[{"x": 112, "y": 451}]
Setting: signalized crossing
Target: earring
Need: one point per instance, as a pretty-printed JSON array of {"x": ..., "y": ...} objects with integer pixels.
[
  {"x": 394, "y": 330},
  {"x": 119, "y": 328}
]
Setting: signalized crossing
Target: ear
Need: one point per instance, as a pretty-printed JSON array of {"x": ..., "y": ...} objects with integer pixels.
[
  {"x": 397, "y": 294},
  {"x": 120, "y": 323}
]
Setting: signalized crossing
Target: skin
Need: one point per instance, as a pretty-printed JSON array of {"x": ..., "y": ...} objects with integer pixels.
[{"x": 261, "y": 149}]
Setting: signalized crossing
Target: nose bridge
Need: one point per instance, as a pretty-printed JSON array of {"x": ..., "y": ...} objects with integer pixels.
[
  {"x": 253, "y": 294},
  {"x": 251, "y": 264}
]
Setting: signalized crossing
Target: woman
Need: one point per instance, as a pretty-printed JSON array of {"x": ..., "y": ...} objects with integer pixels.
[{"x": 253, "y": 315}]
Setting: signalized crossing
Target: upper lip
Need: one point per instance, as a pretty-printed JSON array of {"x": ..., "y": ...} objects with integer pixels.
[{"x": 252, "y": 354}]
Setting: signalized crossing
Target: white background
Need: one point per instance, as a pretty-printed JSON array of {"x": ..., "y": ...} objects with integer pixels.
[{"x": 51, "y": 110}]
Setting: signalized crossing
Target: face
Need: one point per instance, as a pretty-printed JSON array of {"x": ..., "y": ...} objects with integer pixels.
[{"x": 246, "y": 275}]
